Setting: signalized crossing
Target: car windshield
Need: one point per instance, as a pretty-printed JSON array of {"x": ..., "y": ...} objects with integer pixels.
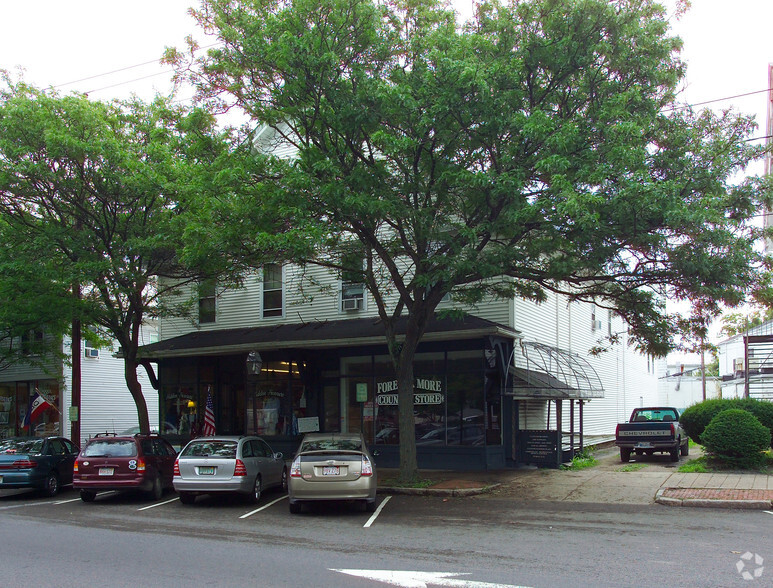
[
  {"x": 655, "y": 414},
  {"x": 21, "y": 446},
  {"x": 331, "y": 444},
  {"x": 225, "y": 449},
  {"x": 111, "y": 448}
]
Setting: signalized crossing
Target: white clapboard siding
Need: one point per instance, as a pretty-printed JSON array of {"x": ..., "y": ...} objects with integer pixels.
[
  {"x": 106, "y": 404},
  {"x": 627, "y": 377}
]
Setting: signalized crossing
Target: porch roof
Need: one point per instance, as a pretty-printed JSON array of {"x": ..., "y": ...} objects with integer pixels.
[{"x": 316, "y": 335}]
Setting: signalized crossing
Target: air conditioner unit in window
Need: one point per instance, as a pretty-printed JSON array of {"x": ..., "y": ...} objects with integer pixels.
[
  {"x": 351, "y": 303},
  {"x": 92, "y": 352},
  {"x": 597, "y": 325}
]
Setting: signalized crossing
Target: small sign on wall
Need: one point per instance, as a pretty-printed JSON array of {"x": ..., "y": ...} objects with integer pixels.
[
  {"x": 362, "y": 392},
  {"x": 308, "y": 424}
]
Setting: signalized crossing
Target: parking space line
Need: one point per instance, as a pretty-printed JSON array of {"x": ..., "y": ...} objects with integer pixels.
[
  {"x": 374, "y": 516},
  {"x": 158, "y": 504},
  {"x": 66, "y": 501},
  {"x": 244, "y": 516}
]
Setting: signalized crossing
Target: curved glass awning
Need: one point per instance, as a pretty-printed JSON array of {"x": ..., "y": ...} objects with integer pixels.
[{"x": 544, "y": 371}]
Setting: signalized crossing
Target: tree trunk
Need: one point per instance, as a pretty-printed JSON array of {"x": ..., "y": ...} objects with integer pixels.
[
  {"x": 409, "y": 468},
  {"x": 133, "y": 383}
]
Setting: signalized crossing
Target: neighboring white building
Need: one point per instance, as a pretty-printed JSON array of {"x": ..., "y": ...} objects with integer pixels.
[
  {"x": 750, "y": 352},
  {"x": 681, "y": 385},
  {"x": 106, "y": 404}
]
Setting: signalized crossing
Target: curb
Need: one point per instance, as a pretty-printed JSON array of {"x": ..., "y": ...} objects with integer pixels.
[
  {"x": 457, "y": 492},
  {"x": 709, "y": 503}
]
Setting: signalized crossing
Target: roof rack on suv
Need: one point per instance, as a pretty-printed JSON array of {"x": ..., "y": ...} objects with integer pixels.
[{"x": 105, "y": 434}]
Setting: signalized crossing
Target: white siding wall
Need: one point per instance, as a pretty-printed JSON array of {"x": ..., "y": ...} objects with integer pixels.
[
  {"x": 628, "y": 377},
  {"x": 310, "y": 294},
  {"x": 106, "y": 404}
]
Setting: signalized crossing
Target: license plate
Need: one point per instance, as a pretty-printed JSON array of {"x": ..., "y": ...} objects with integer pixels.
[
  {"x": 105, "y": 471},
  {"x": 330, "y": 471},
  {"x": 207, "y": 471},
  {"x": 644, "y": 445}
]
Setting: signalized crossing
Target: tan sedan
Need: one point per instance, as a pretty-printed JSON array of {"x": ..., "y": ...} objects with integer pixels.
[{"x": 332, "y": 466}]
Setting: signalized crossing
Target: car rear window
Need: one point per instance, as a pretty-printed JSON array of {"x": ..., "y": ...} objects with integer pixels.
[
  {"x": 332, "y": 445},
  {"x": 111, "y": 448},
  {"x": 21, "y": 446},
  {"x": 225, "y": 449}
]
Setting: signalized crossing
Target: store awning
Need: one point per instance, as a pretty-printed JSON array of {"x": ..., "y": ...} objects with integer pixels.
[
  {"x": 315, "y": 335},
  {"x": 543, "y": 371}
]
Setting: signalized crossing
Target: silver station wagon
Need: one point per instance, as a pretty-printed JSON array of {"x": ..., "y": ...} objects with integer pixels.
[
  {"x": 332, "y": 466},
  {"x": 240, "y": 465}
]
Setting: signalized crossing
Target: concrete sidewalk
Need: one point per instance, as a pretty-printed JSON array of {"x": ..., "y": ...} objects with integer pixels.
[{"x": 606, "y": 483}]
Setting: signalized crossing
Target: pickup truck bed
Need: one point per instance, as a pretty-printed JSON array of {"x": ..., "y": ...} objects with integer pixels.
[{"x": 650, "y": 430}]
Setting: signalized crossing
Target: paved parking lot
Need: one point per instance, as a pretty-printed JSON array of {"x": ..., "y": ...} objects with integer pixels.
[{"x": 272, "y": 506}]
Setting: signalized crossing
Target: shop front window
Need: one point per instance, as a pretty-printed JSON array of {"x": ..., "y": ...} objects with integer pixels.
[
  {"x": 466, "y": 422},
  {"x": 7, "y": 411},
  {"x": 40, "y": 416},
  {"x": 277, "y": 400}
]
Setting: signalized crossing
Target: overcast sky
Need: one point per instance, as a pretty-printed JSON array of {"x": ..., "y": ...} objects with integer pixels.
[{"x": 76, "y": 44}]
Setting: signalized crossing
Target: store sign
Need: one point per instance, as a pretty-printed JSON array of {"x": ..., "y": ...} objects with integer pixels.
[
  {"x": 435, "y": 387},
  {"x": 391, "y": 399}
]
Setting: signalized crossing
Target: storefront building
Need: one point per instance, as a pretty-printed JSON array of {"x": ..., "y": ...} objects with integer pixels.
[{"x": 281, "y": 382}]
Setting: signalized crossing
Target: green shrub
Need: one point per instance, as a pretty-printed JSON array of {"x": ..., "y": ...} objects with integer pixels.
[
  {"x": 696, "y": 418},
  {"x": 736, "y": 437}
]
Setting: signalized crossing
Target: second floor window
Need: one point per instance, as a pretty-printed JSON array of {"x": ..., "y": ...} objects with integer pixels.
[
  {"x": 272, "y": 290},
  {"x": 352, "y": 287},
  {"x": 207, "y": 302}
]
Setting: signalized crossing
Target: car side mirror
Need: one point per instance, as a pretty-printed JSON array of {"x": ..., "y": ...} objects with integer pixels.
[{"x": 278, "y": 455}]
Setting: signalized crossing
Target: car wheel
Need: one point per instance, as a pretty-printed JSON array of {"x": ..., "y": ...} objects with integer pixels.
[
  {"x": 88, "y": 495},
  {"x": 295, "y": 507},
  {"x": 187, "y": 498},
  {"x": 157, "y": 491},
  {"x": 255, "y": 496},
  {"x": 284, "y": 481},
  {"x": 675, "y": 453},
  {"x": 51, "y": 485},
  {"x": 686, "y": 448},
  {"x": 370, "y": 505},
  {"x": 625, "y": 454}
]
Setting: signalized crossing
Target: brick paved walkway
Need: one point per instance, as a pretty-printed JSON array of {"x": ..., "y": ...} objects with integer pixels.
[{"x": 718, "y": 494}]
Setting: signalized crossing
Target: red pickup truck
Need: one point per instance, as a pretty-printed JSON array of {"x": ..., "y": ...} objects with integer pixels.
[{"x": 652, "y": 429}]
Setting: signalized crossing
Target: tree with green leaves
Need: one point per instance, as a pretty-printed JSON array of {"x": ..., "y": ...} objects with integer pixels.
[
  {"x": 93, "y": 195},
  {"x": 537, "y": 147},
  {"x": 35, "y": 305}
]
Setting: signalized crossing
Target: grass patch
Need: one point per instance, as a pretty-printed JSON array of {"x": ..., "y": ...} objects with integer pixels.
[
  {"x": 582, "y": 460},
  {"x": 397, "y": 483},
  {"x": 706, "y": 465},
  {"x": 632, "y": 467},
  {"x": 695, "y": 466}
]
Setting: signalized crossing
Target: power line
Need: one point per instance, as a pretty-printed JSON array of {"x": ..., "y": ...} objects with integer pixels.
[
  {"x": 127, "y": 68},
  {"x": 155, "y": 61}
]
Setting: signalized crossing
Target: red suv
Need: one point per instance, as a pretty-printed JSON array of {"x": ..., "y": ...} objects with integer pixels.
[{"x": 142, "y": 463}]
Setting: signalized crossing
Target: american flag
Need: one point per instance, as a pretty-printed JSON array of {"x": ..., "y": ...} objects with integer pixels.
[{"x": 209, "y": 418}]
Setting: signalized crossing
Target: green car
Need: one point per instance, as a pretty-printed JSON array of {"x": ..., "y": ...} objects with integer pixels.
[{"x": 44, "y": 463}]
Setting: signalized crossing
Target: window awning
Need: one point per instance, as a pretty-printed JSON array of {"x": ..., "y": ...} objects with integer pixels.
[{"x": 543, "y": 371}]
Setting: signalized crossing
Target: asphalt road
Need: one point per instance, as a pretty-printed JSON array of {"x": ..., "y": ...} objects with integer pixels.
[{"x": 122, "y": 540}]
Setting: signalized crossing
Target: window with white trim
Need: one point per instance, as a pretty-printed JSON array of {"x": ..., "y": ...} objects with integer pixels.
[
  {"x": 352, "y": 286},
  {"x": 273, "y": 290},
  {"x": 207, "y": 302}
]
